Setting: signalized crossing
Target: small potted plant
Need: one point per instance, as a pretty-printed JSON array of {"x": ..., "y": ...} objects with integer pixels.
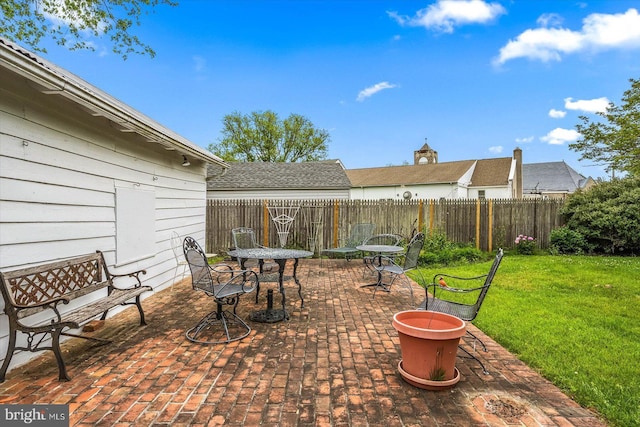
[{"x": 429, "y": 346}]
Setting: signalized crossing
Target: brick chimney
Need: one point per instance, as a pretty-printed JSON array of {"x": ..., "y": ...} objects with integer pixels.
[{"x": 517, "y": 180}]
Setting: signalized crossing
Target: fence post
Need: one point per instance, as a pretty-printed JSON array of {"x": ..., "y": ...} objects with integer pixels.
[
  {"x": 420, "y": 216},
  {"x": 490, "y": 224},
  {"x": 336, "y": 212},
  {"x": 478, "y": 224}
]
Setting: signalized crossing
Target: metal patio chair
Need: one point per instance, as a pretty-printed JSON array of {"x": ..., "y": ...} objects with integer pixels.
[
  {"x": 176, "y": 246},
  {"x": 245, "y": 238},
  {"x": 450, "y": 295},
  {"x": 225, "y": 285},
  {"x": 384, "y": 264}
]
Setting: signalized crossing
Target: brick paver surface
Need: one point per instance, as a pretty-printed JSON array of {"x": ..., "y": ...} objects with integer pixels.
[{"x": 334, "y": 363}]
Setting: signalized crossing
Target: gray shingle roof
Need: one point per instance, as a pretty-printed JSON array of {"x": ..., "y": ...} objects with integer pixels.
[
  {"x": 551, "y": 177},
  {"x": 266, "y": 175}
]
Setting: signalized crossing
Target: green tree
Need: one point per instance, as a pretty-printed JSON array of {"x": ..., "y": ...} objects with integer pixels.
[
  {"x": 71, "y": 22},
  {"x": 263, "y": 137},
  {"x": 615, "y": 142}
]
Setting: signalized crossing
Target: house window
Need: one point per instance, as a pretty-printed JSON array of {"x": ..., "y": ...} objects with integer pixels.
[{"x": 481, "y": 194}]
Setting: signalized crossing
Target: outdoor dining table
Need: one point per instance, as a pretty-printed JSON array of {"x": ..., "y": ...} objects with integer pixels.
[
  {"x": 280, "y": 256},
  {"x": 379, "y": 250}
]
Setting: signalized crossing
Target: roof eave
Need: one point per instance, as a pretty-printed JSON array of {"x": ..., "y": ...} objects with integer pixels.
[{"x": 97, "y": 103}]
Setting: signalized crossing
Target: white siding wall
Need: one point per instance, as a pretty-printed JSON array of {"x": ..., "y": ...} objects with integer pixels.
[
  {"x": 435, "y": 191},
  {"x": 492, "y": 192},
  {"x": 59, "y": 170}
]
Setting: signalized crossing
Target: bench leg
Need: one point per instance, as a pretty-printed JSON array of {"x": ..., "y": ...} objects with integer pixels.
[
  {"x": 55, "y": 340},
  {"x": 142, "y": 321},
  {"x": 7, "y": 359},
  {"x": 138, "y": 304}
]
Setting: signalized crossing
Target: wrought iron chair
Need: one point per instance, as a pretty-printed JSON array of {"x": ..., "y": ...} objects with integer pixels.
[
  {"x": 459, "y": 300},
  {"x": 386, "y": 264},
  {"x": 359, "y": 233},
  {"x": 379, "y": 239},
  {"x": 225, "y": 285},
  {"x": 245, "y": 238},
  {"x": 176, "y": 245}
]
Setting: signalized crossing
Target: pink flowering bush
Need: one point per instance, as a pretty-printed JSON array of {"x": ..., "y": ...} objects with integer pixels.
[{"x": 525, "y": 245}]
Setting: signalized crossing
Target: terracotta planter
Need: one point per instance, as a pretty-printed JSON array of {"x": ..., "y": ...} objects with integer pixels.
[{"x": 429, "y": 345}]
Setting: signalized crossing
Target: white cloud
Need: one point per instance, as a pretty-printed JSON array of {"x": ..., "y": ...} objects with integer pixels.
[
  {"x": 525, "y": 140},
  {"x": 372, "y": 90},
  {"x": 496, "y": 149},
  {"x": 599, "y": 31},
  {"x": 549, "y": 20},
  {"x": 598, "y": 105},
  {"x": 557, "y": 114},
  {"x": 559, "y": 136},
  {"x": 444, "y": 15}
]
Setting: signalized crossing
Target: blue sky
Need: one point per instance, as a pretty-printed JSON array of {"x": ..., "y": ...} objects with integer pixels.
[{"x": 476, "y": 78}]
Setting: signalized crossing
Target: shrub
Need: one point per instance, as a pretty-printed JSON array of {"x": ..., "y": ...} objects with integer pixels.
[
  {"x": 436, "y": 241},
  {"x": 467, "y": 253},
  {"x": 525, "y": 245},
  {"x": 607, "y": 215},
  {"x": 438, "y": 250},
  {"x": 564, "y": 240}
]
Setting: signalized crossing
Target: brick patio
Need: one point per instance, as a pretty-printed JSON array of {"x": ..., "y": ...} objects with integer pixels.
[{"x": 334, "y": 363}]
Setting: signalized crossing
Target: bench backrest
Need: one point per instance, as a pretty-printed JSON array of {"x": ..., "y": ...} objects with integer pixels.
[{"x": 70, "y": 278}]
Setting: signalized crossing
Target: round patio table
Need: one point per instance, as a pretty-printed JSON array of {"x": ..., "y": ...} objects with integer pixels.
[
  {"x": 280, "y": 256},
  {"x": 380, "y": 250}
]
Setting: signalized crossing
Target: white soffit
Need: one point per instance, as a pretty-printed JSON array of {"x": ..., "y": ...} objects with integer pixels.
[{"x": 53, "y": 80}]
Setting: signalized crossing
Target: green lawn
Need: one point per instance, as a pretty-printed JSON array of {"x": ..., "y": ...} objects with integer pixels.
[{"x": 574, "y": 319}]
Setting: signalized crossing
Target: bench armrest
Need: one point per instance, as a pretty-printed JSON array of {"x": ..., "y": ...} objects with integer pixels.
[
  {"x": 135, "y": 275},
  {"x": 51, "y": 304}
]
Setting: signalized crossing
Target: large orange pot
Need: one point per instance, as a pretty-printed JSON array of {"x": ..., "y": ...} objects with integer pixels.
[{"x": 429, "y": 345}]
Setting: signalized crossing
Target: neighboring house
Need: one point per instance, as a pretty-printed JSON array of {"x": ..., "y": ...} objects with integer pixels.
[
  {"x": 467, "y": 179},
  {"x": 552, "y": 180},
  {"x": 278, "y": 180},
  {"x": 80, "y": 171}
]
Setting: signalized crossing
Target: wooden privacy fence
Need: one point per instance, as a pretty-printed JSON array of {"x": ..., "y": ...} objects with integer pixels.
[{"x": 319, "y": 224}]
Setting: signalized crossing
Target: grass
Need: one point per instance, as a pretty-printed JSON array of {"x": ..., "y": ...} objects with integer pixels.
[{"x": 574, "y": 319}]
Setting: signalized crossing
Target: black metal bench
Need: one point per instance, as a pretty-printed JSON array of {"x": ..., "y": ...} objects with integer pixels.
[{"x": 38, "y": 292}]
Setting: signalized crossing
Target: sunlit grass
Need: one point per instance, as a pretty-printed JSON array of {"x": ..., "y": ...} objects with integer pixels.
[{"x": 574, "y": 319}]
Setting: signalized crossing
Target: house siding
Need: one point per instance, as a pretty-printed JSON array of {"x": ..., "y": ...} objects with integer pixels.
[
  {"x": 395, "y": 192},
  {"x": 59, "y": 171}
]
